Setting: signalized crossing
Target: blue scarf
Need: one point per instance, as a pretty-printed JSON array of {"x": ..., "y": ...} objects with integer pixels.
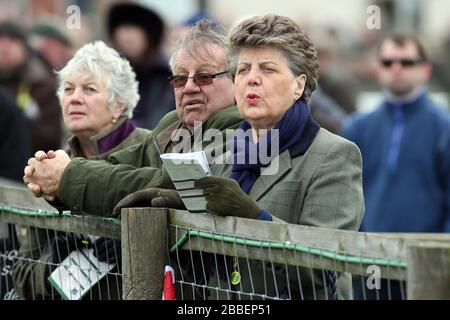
[
  {"x": 291, "y": 137},
  {"x": 297, "y": 130}
]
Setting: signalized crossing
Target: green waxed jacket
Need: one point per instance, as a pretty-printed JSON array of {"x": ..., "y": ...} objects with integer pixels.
[
  {"x": 31, "y": 271},
  {"x": 96, "y": 187}
]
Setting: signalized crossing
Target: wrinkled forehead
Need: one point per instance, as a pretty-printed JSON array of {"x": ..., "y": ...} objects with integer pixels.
[
  {"x": 85, "y": 76},
  {"x": 210, "y": 56},
  {"x": 408, "y": 49}
]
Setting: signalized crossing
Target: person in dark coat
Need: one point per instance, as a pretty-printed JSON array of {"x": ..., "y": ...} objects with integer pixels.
[
  {"x": 14, "y": 138},
  {"x": 15, "y": 143},
  {"x": 137, "y": 33},
  {"x": 32, "y": 86}
]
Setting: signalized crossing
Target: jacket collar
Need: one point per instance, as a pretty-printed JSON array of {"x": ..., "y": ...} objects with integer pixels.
[
  {"x": 106, "y": 140},
  {"x": 408, "y": 103},
  {"x": 163, "y": 139},
  {"x": 268, "y": 178}
]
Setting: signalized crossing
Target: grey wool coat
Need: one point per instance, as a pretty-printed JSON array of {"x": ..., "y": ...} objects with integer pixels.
[{"x": 321, "y": 188}]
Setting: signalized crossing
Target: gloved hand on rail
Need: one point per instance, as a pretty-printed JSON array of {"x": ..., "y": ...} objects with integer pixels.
[
  {"x": 225, "y": 197},
  {"x": 150, "y": 197}
]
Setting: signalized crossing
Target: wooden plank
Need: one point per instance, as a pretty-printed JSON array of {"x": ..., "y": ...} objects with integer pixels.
[
  {"x": 416, "y": 236},
  {"x": 5, "y": 182},
  {"x": 428, "y": 271},
  {"x": 390, "y": 246},
  {"x": 357, "y": 244},
  {"x": 22, "y": 198},
  {"x": 80, "y": 224},
  {"x": 289, "y": 257},
  {"x": 144, "y": 252}
]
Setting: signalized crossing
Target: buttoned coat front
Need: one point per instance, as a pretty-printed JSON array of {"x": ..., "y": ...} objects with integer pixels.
[{"x": 321, "y": 188}]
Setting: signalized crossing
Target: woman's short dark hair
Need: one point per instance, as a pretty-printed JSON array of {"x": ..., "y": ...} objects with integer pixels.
[{"x": 274, "y": 31}]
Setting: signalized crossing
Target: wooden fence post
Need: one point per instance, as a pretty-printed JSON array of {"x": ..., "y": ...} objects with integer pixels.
[
  {"x": 144, "y": 252},
  {"x": 428, "y": 274}
]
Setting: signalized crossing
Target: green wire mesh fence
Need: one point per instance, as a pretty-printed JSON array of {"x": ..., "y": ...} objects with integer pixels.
[{"x": 212, "y": 257}]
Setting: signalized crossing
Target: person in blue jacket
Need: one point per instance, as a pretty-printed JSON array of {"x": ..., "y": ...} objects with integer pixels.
[{"x": 405, "y": 146}]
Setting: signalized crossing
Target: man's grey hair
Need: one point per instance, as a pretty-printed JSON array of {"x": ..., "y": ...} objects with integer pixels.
[
  {"x": 106, "y": 65},
  {"x": 202, "y": 34},
  {"x": 282, "y": 33}
]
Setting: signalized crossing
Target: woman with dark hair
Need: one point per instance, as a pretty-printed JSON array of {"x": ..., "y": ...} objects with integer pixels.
[{"x": 311, "y": 176}]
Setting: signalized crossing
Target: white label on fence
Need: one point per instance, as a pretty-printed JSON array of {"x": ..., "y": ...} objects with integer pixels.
[{"x": 78, "y": 273}]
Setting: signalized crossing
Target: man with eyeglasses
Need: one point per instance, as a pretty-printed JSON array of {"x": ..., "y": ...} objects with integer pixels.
[
  {"x": 204, "y": 94},
  {"x": 405, "y": 146}
]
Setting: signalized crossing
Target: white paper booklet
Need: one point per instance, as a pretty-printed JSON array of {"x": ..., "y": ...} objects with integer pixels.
[
  {"x": 78, "y": 273},
  {"x": 184, "y": 169}
]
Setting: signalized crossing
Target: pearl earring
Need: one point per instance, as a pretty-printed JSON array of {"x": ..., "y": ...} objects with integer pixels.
[{"x": 114, "y": 120}]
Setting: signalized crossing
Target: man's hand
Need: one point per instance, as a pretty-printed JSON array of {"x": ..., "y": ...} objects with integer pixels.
[
  {"x": 150, "y": 197},
  {"x": 225, "y": 197},
  {"x": 44, "y": 172},
  {"x": 169, "y": 199}
]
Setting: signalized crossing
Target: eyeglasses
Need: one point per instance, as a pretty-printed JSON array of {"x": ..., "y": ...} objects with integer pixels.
[
  {"x": 200, "y": 79},
  {"x": 406, "y": 63}
]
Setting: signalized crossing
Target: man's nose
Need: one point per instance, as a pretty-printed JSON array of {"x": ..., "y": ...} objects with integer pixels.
[
  {"x": 191, "y": 86},
  {"x": 397, "y": 65}
]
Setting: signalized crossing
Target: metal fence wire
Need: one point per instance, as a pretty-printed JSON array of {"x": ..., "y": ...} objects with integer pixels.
[
  {"x": 64, "y": 265},
  {"x": 48, "y": 255},
  {"x": 241, "y": 268},
  {"x": 75, "y": 257}
]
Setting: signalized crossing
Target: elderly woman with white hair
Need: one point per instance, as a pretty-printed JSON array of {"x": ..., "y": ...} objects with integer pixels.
[{"x": 97, "y": 92}]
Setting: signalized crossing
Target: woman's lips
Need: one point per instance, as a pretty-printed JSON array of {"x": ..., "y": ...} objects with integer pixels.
[
  {"x": 252, "y": 99},
  {"x": 76, "y": 114}
]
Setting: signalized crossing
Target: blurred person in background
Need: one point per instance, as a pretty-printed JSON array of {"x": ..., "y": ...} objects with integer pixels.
[
  {"x": 97, "y": 92},
  {"x": 335, "y": 81},
  {"x": 137, "y": 33},
  {"x": 32, "y": 87},
  {"x": 405, "y": 145},
  {"x": 324, "y": 109},
  {"x": 15, "y": 150},
  {"x": 14, "y": 138},
  {"x": 178, "y": 31},
  {"x": 52, "y": 43}
]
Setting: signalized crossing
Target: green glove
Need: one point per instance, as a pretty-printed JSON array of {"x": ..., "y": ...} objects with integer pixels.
[
  {"x": 168, "y": 199},
  {"x": 141, "y": 198},
  {"x": 225, "y": 197}
]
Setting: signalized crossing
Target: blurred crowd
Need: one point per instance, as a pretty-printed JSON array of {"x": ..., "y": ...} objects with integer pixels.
[{"x": 31, "y": 50}]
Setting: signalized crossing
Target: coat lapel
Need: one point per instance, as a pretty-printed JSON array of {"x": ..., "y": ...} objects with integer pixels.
[
  {"x": 265, "y": 182},
  {"x": 163, "y": 139}
]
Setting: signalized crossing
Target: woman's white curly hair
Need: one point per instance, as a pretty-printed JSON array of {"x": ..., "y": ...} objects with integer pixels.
[{"x": 106, "y": 65}]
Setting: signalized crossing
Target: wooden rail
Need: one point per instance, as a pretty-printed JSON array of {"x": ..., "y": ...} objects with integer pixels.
[{"x": 147, "y": 233}]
